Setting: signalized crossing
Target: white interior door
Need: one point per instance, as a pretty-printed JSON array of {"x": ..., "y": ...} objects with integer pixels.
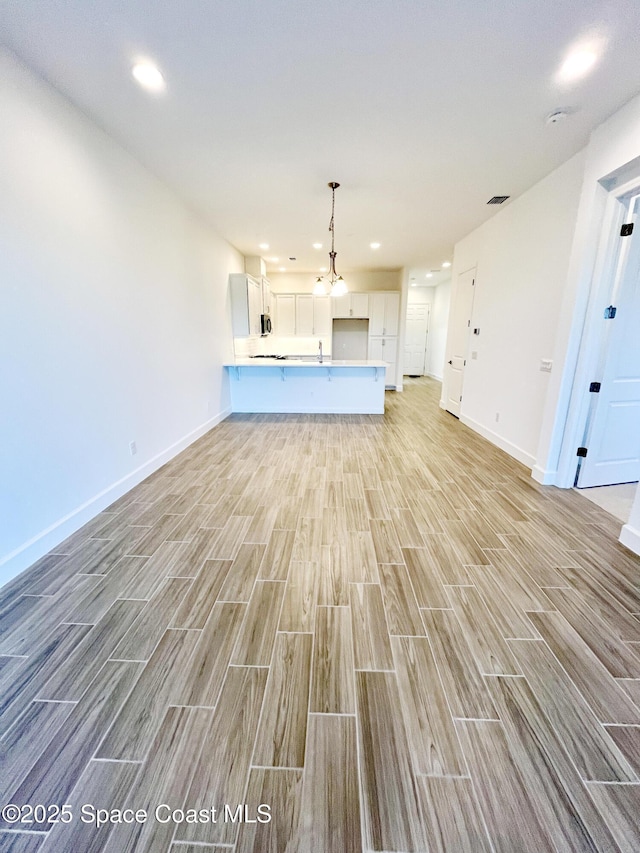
[
  {"x": 458, "y": 345},
  {"x": 613, "y": 436},
  {"x": 415, "y": 341}
]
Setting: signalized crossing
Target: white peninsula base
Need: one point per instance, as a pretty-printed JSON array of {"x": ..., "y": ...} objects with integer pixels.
[{"x": 336, "y": 387}]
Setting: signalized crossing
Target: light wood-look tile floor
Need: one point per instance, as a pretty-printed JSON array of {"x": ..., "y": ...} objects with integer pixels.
[{"x": 381, "y": 628}]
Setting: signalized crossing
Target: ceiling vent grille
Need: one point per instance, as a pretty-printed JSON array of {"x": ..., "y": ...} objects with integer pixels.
[{"x": 498, "y": 199}]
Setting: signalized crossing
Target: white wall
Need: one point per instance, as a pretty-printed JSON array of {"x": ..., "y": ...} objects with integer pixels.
[
  {"x": 521, "y": 256},
  {"x": 114, "y": 321},
  {"x": 291, "y": 282},
  {"x": 420, "y": 295},
  {"x": 614, "y": 149},
  {"x": 438, "y": 332}
]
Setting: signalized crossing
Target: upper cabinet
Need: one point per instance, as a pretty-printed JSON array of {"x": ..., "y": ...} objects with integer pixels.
[
  {"x": 302, "y": 314},
  {"x": 322, "y": 316},
  {"x": 267, "y": 298},
  {"x": 384, "y": 313},
  {"x": 284, "y": 321},
  {"x": 246, "y": 305},
  {"x": 256, "y": 267},
  {"x": 351, "y": 306}
]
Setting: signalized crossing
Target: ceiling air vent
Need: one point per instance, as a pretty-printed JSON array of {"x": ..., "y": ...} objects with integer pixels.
[{"x": 498, "y": 199}]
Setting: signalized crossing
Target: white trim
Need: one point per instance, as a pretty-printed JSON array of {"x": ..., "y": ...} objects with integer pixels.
[
  {"x": 302, "y": 409},
  {"x": 544, "y": 476},
  {"x": 27, "y": 553},
  {"x": 512, "y": 449},
  {"x": 630, "y": 538}
]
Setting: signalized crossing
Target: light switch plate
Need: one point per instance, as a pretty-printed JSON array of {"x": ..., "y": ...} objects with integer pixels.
[{"x": 546, "y": 364}]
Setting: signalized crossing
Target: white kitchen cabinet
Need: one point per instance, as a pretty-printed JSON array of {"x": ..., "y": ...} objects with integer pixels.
[
  {"x": 385, "y": 349},
  {"x": 284, "y": 321},
  {"x": 304, "y": 314},
  {"x": 246, "y": 305},
  {"x": 322, "y": 325},
  {"x": 384, "y": 313},
  {"x": 351, "y": 306},
  {"x": 267, "y": 297}
]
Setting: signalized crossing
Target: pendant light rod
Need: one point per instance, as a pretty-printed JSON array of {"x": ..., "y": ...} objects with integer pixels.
[{"x": 336, "y": 282}]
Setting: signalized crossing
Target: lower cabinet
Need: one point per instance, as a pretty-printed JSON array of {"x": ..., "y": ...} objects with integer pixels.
[{"x": 385, "y": 349}]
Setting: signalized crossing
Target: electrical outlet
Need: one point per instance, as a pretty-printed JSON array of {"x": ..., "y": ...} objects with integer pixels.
[
  {"x": 546, "y": 364},
  {"x": 133, "y": 449},
  {"x": 474, "y": 355}
]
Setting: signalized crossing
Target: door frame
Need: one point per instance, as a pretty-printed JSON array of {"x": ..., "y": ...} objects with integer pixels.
[
  {"x": 592, "y": 346},
  {"x": 452, "y": 317},
  {"x": 622, "y": 282},
  {"x": 427, "y": 305}
]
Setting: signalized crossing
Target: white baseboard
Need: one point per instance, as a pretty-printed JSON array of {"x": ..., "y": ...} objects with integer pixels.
[
  {"x": 630, "y": 538},
  {"x": 543, "y": 476},
  {"x": 510, "y": 448},
  {"x": 26, "y": 554},
  {"x": 435, "y": 376},
  {"x": 308, "y": 410}
]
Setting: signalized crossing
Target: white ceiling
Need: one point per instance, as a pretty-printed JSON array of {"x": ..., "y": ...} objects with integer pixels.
[{"x": 421, "y": 109}]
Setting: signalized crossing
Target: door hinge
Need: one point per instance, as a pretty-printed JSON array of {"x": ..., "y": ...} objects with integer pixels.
[
  {"x": 594, "y": 388},
  {"x": 610, "y": 312},
  {"x": 468, "y": 323},
  {"x": 582, "y": 451},
  {"x": 473, "y": 282},
  {"x": 461, "y": 398},
  {"x": 627, "y": 229}
]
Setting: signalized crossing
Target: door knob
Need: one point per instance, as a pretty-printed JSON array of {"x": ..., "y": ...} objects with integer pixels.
[{"x": 449, "y": 362}]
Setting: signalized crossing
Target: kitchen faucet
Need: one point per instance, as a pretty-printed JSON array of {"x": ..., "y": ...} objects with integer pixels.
[{"x": 320, "y": 351}]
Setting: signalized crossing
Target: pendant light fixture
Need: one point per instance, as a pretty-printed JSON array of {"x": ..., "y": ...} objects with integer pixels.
[{"x": 336, "y": 283}]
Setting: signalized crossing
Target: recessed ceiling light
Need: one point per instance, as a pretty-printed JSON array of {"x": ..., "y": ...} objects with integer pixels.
[
  {"x": 148, "y": 76},
  {"x": 323, "y": 269},
  {"x": 446, "y": 264},
  {"x": 317, "y": 245},
  {"x": 375, "y": 245},
  {"x": 577, "y": 64},
  {"x": 273, "y": 260},
  {"x": 263, "y": 245},
  {"x": 429, "y": 275},
  {"x": 282, "y": 269},
  {"x": 413, "y": 284}
]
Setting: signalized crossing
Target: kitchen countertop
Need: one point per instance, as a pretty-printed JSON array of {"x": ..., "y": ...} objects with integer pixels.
[{"x": 311, "y": 361}]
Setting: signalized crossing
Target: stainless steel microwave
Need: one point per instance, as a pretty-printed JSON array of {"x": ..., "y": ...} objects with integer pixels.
[{"x": 265, "y": 325}]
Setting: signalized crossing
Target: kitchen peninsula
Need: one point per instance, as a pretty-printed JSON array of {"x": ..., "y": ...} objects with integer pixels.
[{"x": 306, "y": 385}]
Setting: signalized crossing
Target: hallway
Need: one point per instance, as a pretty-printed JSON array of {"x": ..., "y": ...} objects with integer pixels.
[{"x": 379, "y": 627}]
